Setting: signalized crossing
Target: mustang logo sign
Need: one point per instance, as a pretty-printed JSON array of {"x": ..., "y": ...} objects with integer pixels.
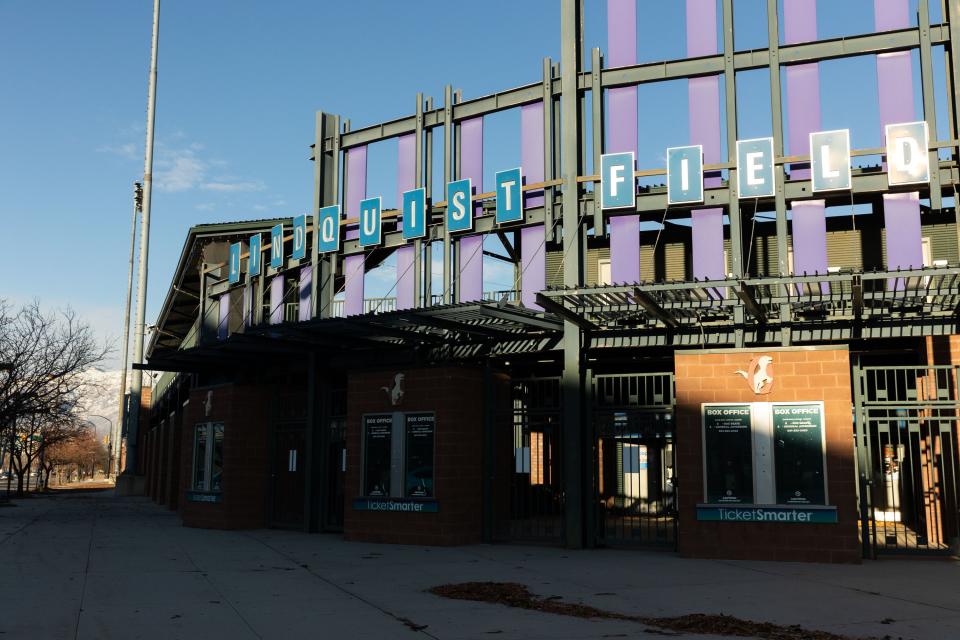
[
  {"x": 759, "y": 375},
  {"x": 396, "y": 393}
]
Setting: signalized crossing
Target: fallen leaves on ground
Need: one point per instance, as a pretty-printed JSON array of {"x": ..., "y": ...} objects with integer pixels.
[{"x": 517, "y": 595}]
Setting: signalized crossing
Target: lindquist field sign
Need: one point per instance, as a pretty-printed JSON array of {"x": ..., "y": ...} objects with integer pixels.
[{"x": 907, "y": 159}]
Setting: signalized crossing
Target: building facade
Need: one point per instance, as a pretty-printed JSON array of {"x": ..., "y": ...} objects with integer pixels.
[{"x": 747, "y": 354}]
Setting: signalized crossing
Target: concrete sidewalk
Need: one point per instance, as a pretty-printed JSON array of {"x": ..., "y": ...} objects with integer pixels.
[{"x": 88, "y": 565}]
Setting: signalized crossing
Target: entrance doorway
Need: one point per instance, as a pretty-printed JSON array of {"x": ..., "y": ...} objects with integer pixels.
[
  {"x": 289, "y": 479},
  {"x": 906, "y": 421},
  {"x": 635, "y": 482},
  {"x": 536, "y": 496}
]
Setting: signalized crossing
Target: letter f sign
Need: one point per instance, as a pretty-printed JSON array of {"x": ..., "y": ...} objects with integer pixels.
[{"x": 617, "y": 187}]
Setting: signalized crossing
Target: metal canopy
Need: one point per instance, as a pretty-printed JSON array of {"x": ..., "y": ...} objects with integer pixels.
[
  {"x": 460, "y": 329},
  {"x": 919, "y": 294}
]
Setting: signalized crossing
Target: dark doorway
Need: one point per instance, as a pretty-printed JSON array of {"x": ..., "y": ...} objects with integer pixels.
[
  {"x": 336, "y": 466},
  {"x": 289, "y": 479}
]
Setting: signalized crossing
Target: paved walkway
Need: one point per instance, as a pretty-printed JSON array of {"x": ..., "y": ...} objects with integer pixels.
[{"x": 88, "y": 565}]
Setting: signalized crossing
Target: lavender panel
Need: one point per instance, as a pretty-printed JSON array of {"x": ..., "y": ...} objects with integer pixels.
[
  {"x": 470, "y": 286},
  {"x": 406, "y": 180},
  {"x": 306, "y": 280},
  {"x": 809, "y": 237},
  {"x": 625, "y": 249},
  {"x": 622, "y": 134},
  {"x": 354, "y": 266},
  {"x": 701, "y": 28},
  {"x": 406, "y": 296},
  {"x": 707, "y": 238},
  {"x": 531, "y": 150},
  {"x": 889, "y": 15},
  {"x": 470, "y": 282},
  {"x": 533, "y": 264},
  {"x": 223, "y": 322},
  {"x": 533, "y": 261},
  {"x": 904, "y": 236},
  {"x": 353, "y": 270},
  {"x": 803, "y": 84},
  {"x": 895, "y": 92},
  {"x": 704, "y": 120},
  {"x": 276, "y": 300},
  {"x": 803, "y": 113},
  {"x": 895, "y": 89},
  {"x": 704, "y": 97}
]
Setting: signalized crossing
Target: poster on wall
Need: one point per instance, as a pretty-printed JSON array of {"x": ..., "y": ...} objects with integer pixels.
[
  {"x": 419, "y": 428},
  {"x": 728, "y": 453},
  {"x": 798, "y": 453},
  {"x": 377, "y": 429}
]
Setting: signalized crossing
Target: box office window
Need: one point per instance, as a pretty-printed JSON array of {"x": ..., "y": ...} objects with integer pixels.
[
  {"x": 208, "y": 456},
  {"x": 398, "y": 455},
  {"x": 764, "y": 453}
]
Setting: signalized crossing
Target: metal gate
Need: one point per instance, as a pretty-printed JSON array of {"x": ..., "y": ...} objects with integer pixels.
[
  {"x": 907, "y": 451},
  {"x": 536, "y": 499},
  {"x": 635, "y": 482}
]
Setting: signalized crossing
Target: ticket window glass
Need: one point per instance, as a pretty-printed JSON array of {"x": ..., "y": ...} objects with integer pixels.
[
  {"x": 398, "y": 455},
  {"x": 764, "y": 453},
  {"x": 208, "y": 456}
]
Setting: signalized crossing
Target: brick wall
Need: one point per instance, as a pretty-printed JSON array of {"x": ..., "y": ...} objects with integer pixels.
[
  {"x": 455, "y": 394},
  {"x": 812, "y": 374},
  {"x": 244, "y": 412}
]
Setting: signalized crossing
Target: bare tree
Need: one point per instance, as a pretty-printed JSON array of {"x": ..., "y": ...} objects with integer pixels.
[{"x": 45, "y": 356}]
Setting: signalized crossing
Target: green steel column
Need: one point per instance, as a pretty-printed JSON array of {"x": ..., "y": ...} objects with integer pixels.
[
  {"x": 324, "y": 194},
  {"x": 428, "y": 185},
  {"x": 572, "y": 380},
  {"x": 447, "y": 177},
  {"x": 418, "y": 182},
  {"x": 776, "y": 109},
  {"x": 929, "y": 105},
  {"x": 733, "y": 209}
]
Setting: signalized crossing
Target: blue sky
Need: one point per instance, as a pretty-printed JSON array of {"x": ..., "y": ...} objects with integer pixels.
[{"x": 239, "y": 84}]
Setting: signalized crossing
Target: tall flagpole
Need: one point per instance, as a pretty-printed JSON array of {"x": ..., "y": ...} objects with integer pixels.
[
  {"x": 136, "y": 386},
  {"x": 116, "y": 429}
]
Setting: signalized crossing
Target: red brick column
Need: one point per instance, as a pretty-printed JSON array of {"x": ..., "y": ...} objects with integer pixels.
[
  {"x": 244, "y": 412},
  {"x": 455, "y": 394},
  {"x": 800, "y": 374}
]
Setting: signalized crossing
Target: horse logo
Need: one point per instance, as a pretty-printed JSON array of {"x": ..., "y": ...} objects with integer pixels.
[
  {"x": 396, "y": 393},
  {"x": 759, "y": 375}
]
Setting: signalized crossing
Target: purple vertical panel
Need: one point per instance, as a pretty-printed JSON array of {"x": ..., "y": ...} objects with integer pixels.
[
  {"x": 223, "y": 323},
  {"x": 406, "y": 296},
  {"x": 889, "y": 15},
  {"x": 904, "y": 236},
  {"x": 622, "y": 134},
  {"x": 276, "y": 300},
  {"x": 533, "y": 265},
  {"x": 809, "y": 237},
  {"x": 531, "y": 150},
  {"x": 406, "y": 180},
  {"x": 707, "y": 239},
  {"x": 704, "y": 120},
  {"x": 803, "y": 113},
  {"x": 306, "y": 280},
  {"x": 470, "y": 252},
  {"x": 895, "y": 92},
  {"x": 354, "y": 266},
  {"x": 809, "y": 225}
]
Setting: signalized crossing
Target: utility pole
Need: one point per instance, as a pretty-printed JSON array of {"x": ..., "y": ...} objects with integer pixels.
[
  {"x": 136, "y": 386},
  {"x": 114, "y": 462}
]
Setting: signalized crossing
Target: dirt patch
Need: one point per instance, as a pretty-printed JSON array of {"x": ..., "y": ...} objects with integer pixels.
[{"x": 516, "y": 595}]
